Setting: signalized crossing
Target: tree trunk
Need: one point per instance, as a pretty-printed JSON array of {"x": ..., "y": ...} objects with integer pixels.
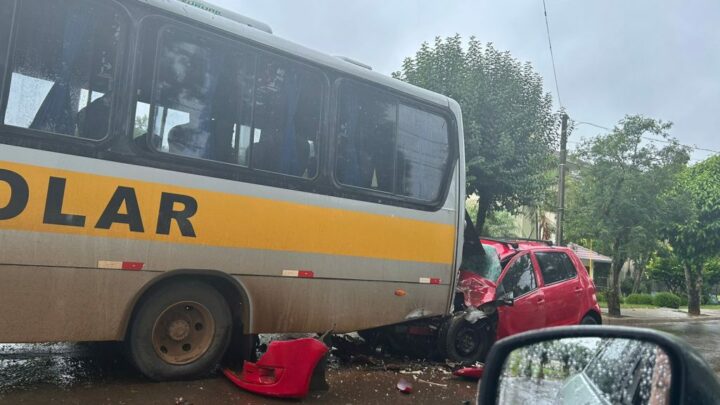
[
  {"x": 693, "y": 280},
  {"x": 613, "y": 294},
  {"x": 483, "y": 210}
]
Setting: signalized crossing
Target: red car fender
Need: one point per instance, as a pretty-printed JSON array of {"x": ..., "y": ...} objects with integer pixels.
[{"x": 476, "y": 290}]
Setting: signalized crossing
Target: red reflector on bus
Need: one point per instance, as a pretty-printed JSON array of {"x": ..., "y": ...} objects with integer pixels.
[
  {"x": 134, "y": 266},
  {"x": 434, "y": 281},
  {"x": 298, "y": 273},
  {"x": 428, "y": 280}
]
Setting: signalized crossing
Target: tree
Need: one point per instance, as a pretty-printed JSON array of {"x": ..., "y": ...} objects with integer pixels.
[
  {"x": 510, "y": 130},
  {"x": 665, "y": 267},
  {"x": 711, "y": 274},
  {"x": 694, "y": 229},
  {"x": 500, "y": 224},
  {"x": 617, "y": 198}
]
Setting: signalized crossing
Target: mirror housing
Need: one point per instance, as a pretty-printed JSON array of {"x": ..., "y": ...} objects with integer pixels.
[{"x": 693, "y": 380}]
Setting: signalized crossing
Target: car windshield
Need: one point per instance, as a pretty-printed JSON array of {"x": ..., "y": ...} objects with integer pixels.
[{"x": 486, "y": 265}]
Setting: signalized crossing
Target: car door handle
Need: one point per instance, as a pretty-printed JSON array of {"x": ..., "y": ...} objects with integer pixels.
[
  {"x": 578, "y": 290},
  {"x": 540, "y": 300}
]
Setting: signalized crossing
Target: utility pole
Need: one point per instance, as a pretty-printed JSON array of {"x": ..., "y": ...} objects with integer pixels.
[{"x": 561, "y": 186}]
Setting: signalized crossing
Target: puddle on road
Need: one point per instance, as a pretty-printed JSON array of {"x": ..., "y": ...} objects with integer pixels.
[{"x": 63, "y": 365}]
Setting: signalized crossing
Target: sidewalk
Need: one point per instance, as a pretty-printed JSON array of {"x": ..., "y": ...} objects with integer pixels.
[{"x": 637, "y": 316}]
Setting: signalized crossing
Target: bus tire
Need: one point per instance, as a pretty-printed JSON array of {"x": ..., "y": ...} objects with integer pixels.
[
  {"x": 466, "y": 342},
  {"x": 180, "y": 331}
]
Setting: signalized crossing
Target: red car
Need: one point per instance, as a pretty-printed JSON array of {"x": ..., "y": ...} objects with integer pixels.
[{"x": 516, "y": 286}]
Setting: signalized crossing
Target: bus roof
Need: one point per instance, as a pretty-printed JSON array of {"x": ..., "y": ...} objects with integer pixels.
[{"x": 261, "y": 33}]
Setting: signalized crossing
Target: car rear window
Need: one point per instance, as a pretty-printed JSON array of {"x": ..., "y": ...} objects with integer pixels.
[{"x": 555, "y": 266}]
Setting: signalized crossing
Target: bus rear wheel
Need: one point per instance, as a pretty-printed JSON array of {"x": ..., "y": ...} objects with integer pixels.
[{"x": 180, "y": 331}]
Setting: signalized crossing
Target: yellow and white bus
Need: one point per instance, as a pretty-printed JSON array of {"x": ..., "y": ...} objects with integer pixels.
[{"x": 175, "y": 176}]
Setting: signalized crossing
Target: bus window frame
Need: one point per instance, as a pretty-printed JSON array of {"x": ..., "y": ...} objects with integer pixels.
[
  {"x": 45, "y": 140},
  {"x": 384, "y": 197},
  {"x": 4, "y": 72},
  {"x": 202, "y": 166}
]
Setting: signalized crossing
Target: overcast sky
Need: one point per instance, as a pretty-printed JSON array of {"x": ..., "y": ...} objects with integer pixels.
[{"x": 613, "y": 57}]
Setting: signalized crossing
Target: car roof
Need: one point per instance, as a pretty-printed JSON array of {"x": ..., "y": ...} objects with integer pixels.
[{"x": 507, "y": 247}]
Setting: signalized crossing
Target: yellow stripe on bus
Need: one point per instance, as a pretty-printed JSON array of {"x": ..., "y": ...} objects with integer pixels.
[{"x": 221, "y": 219}]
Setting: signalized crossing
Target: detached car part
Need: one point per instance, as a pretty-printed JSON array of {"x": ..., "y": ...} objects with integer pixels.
[{"x": 284, "y": 371}]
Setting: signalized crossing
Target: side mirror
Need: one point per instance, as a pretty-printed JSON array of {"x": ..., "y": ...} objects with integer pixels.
[
  {"x": 596, "y": 365},
  {"x": 506, "y": 298}
]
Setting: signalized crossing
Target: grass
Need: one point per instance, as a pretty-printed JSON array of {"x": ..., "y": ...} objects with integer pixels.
[{"x": 642, "y": 306}]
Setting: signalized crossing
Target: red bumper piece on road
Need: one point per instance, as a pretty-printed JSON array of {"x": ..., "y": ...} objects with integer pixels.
[
  {"x": 470, "y": 372},
  {"x": 284, "y": 371}
]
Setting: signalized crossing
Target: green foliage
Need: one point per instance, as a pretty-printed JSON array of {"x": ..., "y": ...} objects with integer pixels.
[
  {"x": 601, "y": 296},
  {"x": 665, "y": 267},
  {"x": 626, "y": 286},
  {"x": 641, "y": 299},
  {"x": 510, "y": 129},
  {"x": 500, "y": 224},
  {"x": 711, "y": 271},
  {"x": 695, "y": 233},
  {"x": 617, "y": 198},
  {"x": 693, "y": 230},
  {"x": 666, "y": 300}
]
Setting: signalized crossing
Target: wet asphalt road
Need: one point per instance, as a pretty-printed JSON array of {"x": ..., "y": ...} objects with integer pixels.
[
  {"x": 97, "y": 373},
  {"x": 703, "y": 336}
]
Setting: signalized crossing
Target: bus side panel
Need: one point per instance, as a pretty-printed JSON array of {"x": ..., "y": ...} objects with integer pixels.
[
  {"x": 53, "y": 304},
  {"x": 344, "y": 292},
  {"x": 303, "y": 305},
  {"x": 358, "y": 254}
]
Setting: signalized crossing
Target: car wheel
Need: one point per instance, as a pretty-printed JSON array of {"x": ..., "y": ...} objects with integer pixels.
[
  {"x": 467, "y": 342},
  {"x": 180, "y": 331},
  {"x": 588, "y": 320}
]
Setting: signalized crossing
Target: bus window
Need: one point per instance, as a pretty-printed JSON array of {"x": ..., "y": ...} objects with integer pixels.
[
  {"x": 203, "y": 99},
  {"x": 366, "y": 138},
  {"x": 286, "y": 118},
  {"x": 6, "y": 11},
  {"x": 387, "y": 146},
  {"x": 422, "y": 153},
  {"x": 63, "y": 69}
]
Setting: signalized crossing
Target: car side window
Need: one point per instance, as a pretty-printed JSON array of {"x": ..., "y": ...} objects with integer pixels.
[
  {"x": 520, "y": 277},
  {"x": 555, "y": 266}
]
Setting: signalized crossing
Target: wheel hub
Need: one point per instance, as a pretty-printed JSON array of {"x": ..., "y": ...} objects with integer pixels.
[
  {"x": 183, "y": 332},
  {"x": 467, "y": 342},
  {"x": 178, "y": 330}
]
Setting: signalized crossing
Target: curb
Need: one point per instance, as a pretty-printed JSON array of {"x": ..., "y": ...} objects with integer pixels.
[{"x": 648, "y": 321}]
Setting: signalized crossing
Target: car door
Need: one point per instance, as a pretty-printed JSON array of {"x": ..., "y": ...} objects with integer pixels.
[
  {"x": 562, "y": 288},
  {"x": 528, "y": 310}
]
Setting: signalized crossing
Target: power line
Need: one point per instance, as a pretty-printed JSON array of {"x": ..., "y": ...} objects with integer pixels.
[
  {"x": 647, "y": 138},
  {"x": 593, "y": 125},
  {"x": 552, "y": 56},
  {"x": 557, "y": 90}
]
